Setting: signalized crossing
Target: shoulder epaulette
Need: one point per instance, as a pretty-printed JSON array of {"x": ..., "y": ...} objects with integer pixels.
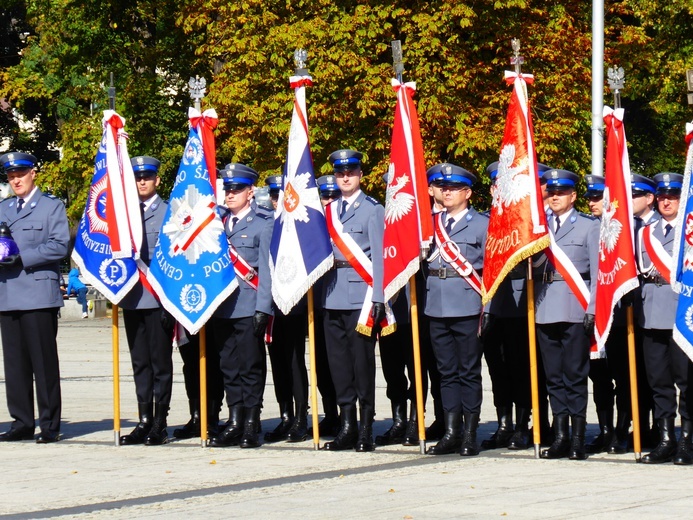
[
  {"x": 372, "y": 200},
  {"x": 591, "y": 217}
]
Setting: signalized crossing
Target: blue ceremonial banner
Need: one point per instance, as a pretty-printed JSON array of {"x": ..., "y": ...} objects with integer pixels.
[
  {"x": 300, "y": 251},
  {"x": 107, "y": 241},
  {"x": 682, "y": 273},
  {"x": 191, "y": 269}
]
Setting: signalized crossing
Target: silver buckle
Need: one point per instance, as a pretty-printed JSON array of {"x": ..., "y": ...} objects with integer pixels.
[{"x": 443, "y": 273}]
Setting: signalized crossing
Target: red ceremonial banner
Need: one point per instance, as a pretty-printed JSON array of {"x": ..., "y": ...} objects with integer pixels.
[
  {"x": 617, "y": 271},
  {"x": 408, "y": 221},
  {"x": 517, "y": 226}
]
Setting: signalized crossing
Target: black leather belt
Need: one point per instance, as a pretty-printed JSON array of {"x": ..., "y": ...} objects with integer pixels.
[
  {"x": 341, "y": 264},
  {"x": 555, "y": 276},
  {"x": 656, "y": 279},
  {"x": 447, "y": 272}
]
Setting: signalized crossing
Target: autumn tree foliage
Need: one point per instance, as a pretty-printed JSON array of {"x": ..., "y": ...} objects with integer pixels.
[{"x": 455, "y": 51}]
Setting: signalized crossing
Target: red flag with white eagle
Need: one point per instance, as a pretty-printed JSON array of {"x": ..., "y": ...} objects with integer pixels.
[
  {"x": 408, "y": 222},
  {"x": 517, "y": 226},
  {"x": 617, "y": 271}
]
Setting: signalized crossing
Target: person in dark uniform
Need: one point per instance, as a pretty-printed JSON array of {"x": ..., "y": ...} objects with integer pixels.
[
  {"x": 330, "y": 425},
  {"x": 190, "y": 354},
  {"x": 563, "y": 325},
  {"x": 666, "y": 365},
  {"x": 30, "y": 299},
  {"x": 351, "y": 354},
  {"x": 287, "y": 354},
  {"x": 644, "y": 210},
  {"x": 148, "y": 327},
  {"x": 454, "y": 308},
  {"x": 240, "y": 322}
]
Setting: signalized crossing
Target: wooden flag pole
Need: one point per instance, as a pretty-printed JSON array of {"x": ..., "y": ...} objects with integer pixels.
[
  {"x": 313, "y": 372},
  {"x": 635, "y": 406},
  {"x": 534, "y": 377},
  {"x": 421, "y": 422},
  {"x": 116, "y": 374},
  {"x": 203, "y": 386}
]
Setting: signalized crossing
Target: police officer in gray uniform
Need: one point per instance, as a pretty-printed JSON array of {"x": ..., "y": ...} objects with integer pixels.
[
  {"x": 240, "y": 322},
  {"x": 148, "y": 327},
  {"x": 29, "y": 301},
  {"x": 563, "y": 326},
  {"x": 666, "y": 365},
  {"x": 454, "y": 308},
  {"x": 351, "y": 354}
]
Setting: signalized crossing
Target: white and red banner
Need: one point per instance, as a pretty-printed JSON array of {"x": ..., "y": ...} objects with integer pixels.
[
  {"x": 110, "y": 232},
  {"x": 408, "y": 223},
  {"x": 300, "y": 250},
  {"x": 517, "y": 226},
  {"x": 682, "y": 281},
  {"x": 617, "y": 273}
]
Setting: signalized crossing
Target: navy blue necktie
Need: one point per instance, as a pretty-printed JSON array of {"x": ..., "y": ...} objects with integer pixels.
[
  {"x": 20, "y": 203},
  {"x": 667, "y": 228}
]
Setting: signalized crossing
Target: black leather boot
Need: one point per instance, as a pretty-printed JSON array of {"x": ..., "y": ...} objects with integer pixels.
[
  {"x": 395, "y": 435},
  {"x": 299, "y": 428},
  {"x": 233, "y": 430},
  {"x": 684, "y": 451},
  {"x": 411, "y": 436},
  {"x": 619, "y": 441},
  {"x": 520, "y": 439},
  {"x": 348, "y": 433},
  {"x": 450, "y": 443},
  {"x": 213, "y": 409},
  {"x": 606, "y": 432},
  {"x": 365, "y": 441},
  {"x": 666, "y": 449},
  {"x": 139, "y": 434},
  {"x": 469, "y": 445},
  {"x": 157, "y": 434},
  {"x": 577, "y": 441},
  {"x": 192, "y": 428},
  {"x": 502, "y": 435},
  {"x": 281, "y": 432},
  {"x": 436, "y": 430},
  {"x": 250, "y": 428},
  {"x": 561, "y": 444}
]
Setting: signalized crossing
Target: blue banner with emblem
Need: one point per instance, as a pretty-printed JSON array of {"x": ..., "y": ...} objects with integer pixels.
[
  {"x": 682, "y": 273},
  {"x": 191, "y": 270},
  {"x": 112, "y": 274}
]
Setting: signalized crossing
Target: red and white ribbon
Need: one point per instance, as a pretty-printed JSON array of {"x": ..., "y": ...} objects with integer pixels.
[
  {"x": 450, "y": 252},
  {"x": 661, "y": 260},
  {"x": 364, "y": 267},
  {"x": 567, "y": 270}
]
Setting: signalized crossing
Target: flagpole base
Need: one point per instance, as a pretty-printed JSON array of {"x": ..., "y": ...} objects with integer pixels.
[
  {"x": 422, "y": 447},
  {"x": 638, "y": 456},
  {"x": 316, "y": 446},
  {"x": 116, "y": 437},
  {"x": 203, "y": 443},
  {"x": 537, "y": 450}
]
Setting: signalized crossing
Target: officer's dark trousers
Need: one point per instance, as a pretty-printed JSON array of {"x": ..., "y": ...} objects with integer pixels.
[
  {"x": 429, "y": 366},
  {"x": 458, "y": 353},
  {"x": 396, "y": 356},
  {"x": 190, "y": 353},
  {"x": 151, "y": 353},
  {"x": 667, "y": 366},
  {"x": 352, "y": 358},
  {"x": 565, "y": 352},
  {"x": 287, "y": 355},
  {"x": 242, "y": 361},
  {"x": 614, "y": 369},
  {"x": 322, "y": 364},
  {"x": 30, "y": 350}
]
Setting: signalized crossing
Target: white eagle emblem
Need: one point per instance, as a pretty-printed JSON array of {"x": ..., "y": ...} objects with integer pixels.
[
  {"x": 609, "y": 228},
  {"x": 512, "y": 184},
  {"x": 688, "y": 243},
  {"x": 397, "y": 205}
]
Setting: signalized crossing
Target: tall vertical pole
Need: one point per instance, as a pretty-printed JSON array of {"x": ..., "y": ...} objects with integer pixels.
[
  {"x": 197, "y": 91},
  {"x": 398, "y": 66},
  {"x": 115, "y": 335},
  {"x": 597, "y": 86}
]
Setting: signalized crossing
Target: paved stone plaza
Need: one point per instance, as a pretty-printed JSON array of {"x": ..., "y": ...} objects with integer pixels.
[{"x": 86, "y": 476}]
